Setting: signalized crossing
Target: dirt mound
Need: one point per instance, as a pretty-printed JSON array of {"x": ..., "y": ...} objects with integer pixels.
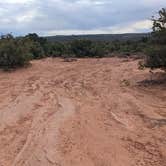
[{"x": 89, "y": 112}]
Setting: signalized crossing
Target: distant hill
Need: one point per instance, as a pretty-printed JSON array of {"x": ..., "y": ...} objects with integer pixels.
[{"x": 100, "y": 37}]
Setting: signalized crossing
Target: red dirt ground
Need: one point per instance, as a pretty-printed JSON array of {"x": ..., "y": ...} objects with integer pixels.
[{"x": 92, "y": 112}]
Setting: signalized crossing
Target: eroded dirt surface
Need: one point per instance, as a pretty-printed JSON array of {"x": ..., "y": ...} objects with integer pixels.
[{"x": 93, "y": 112}]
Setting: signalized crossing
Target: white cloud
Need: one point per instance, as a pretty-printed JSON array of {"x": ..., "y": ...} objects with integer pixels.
[
  {"x": 27, "y": 16},
  {"x": 135, "y": 27},
  {"x": 18, "y": 1},
  {"x": 139, "y": 26},
  {"x": 93, "y": 2},
  {"x": 71, "y": 32},
  {"x": 152, "y": 1},
  {"x": 4, "y": 21},
  {"x": 145, "y": 24},
  {"x": 77, "y": 16}
]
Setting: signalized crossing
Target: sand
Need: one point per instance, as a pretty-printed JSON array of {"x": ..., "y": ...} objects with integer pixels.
[{"x": 90, "y": 112}]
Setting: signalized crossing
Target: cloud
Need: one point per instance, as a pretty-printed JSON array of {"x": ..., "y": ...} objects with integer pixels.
[
  {"x": 18, "y": 1},
  {"x": 140, "y": 26},
  {"x": 48, "y": 17},
  {"x": 26, "y": 17},
  {"x": 94, "y": 2}
]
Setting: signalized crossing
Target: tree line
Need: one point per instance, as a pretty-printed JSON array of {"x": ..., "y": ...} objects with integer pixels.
[{"x": 18, "y": 51}]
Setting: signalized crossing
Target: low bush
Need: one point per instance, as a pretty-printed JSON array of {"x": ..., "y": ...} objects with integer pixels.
[
  {"x": 86, "y": 48},
  {"x": 156, "y": 51},
  {"x": 156, "y": 57},
  {"x": 35, "y": 49},
  {"x": 55, "y": 49},
  {"x": 12, "y": 53}
]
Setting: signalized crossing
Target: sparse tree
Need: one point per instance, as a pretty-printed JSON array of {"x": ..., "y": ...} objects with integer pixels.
[
  {"x": 159, "y": 23},
  {"x": 156, "y": 52}
]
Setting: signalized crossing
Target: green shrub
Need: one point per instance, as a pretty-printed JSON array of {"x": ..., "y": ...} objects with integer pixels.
[
  {"x": 56, "y": 49},
  {"x": 36, "y": 45},
  {"x": 156, "y": 57},
  {"x": 86, "y": 48},
  {"x": 156, "y": 52},
  {"x": 36, "y": 50},
  {"x": 13, "y": 54},
  {"x": 81, "y": 48}
]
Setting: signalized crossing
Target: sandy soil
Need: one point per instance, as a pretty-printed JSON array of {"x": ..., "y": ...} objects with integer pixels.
[{"x": 86, "y": 113}]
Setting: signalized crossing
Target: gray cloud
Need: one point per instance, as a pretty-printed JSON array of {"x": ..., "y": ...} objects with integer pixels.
[{"x": 51, "y": 17}]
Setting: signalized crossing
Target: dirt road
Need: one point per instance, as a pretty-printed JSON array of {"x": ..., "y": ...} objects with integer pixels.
[{"x": 93, "y": 112}]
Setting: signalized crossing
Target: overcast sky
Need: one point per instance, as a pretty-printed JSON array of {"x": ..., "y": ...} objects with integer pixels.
[{"x": 66, "y": 17}]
